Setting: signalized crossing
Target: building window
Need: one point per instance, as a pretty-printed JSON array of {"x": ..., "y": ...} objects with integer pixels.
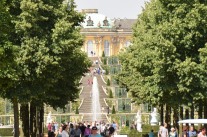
[
  {"x": 90, "y": 51},
  {"x": 106, "y": 48}
]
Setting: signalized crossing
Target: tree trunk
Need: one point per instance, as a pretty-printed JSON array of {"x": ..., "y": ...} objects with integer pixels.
[
  {"x": 37, "y": 122},
  {"x": 32, "y": 119},
  {"x": 192, "y": 112},
  {"x": 205, "y": 109},
  {"x": 161, "y": 114},
  {"x": 167, "y": 114},
  {"x": 200, "y": 110},
  {"x": 16, "y": 117},
  {"x": 175, "y": 117},
  {"x": 41, "y": 127},
  {"x": 24, "y": 114},
  {"x": 186, "y": 113},
  {"x": 181, "y": 112}
]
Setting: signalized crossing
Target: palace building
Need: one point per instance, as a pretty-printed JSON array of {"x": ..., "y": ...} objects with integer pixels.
[{"x": 103, "y": 34}]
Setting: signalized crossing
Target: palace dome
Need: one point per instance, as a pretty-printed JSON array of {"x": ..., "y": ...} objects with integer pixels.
[{"x": 95, "y": 20}]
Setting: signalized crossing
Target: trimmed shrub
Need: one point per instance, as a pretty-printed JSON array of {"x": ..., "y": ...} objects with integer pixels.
[
  {"x": 103, "y": 54},
  {"x": 148, "y": 128},
  {"x": 105, "y": 61},
  {"x": 107, "y": 71},
  {"x": 76, "y": 110},
  {"x": 113, "y": 110},
  {"x": 110, "y": 94},
  {"x": 108, "y": 82},
  {"x": 6, "y": 131}
]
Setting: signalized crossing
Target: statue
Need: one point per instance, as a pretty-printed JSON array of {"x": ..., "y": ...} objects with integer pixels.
[
  {"x": 89, "y": 21},
  {"x": 49, "y": 118},
  {"x": 139, "y": 121},
  {"x": 154, "y": 120},
  {"x": 105, "y": 22}
]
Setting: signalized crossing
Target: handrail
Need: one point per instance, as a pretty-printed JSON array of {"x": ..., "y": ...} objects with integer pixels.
[
  {"x": 81, "y": 79},
  {"x": 105, "y": 102},
  {"x": 107, "y": 118},
  {"x": 104, "y": 90},
  {"x": 99, "y": 60},
  {"x": 103, "y": 79},
  {"x": 81, "y": 91},
  {"x": 81, "y": 103}
]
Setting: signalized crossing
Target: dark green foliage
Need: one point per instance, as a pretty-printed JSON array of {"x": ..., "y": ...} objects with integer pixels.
[
  {"x": 39, "y": 51},
  {"x": 105, "y": 67},
  {"x": 110, "y": 94},
  {"x": 107, "y": 70},
  {"x": 105, "y": 61},
  {"x": 6, "y": 131},
  {"x": 76, "y": 110},
  {"x": 113, "y": 110},
  {"x": 134, "y": 133},
  {"x": 103, "y": 54},
  {"x": 108, "y": 82},
  {"x": 166, "y": 64}
]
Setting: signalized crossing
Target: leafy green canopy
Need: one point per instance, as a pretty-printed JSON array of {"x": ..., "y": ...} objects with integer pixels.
[
  {"x": 49, "y": 61},
  {"x": 167, "y": 61}
]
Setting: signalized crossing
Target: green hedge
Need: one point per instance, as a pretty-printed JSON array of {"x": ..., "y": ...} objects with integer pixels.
[
  {"x": 134, "y": 133},
  {"x": 6, "y": 131},
  {"x": 148, "y": 128}
]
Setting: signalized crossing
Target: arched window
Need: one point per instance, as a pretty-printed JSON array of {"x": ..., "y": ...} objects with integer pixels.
[
  {"x": 106, "y": 48},
  {"x": 90, "y": 48}
]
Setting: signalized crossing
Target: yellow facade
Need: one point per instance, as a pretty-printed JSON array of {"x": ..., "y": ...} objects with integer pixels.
[{"x": 110, "y": 39}]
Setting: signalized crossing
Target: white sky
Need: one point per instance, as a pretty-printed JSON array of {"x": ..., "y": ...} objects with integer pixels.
[{"x": 114, "y": 8}]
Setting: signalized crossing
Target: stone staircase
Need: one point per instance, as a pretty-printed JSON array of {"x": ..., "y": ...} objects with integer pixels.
[
  {"x": 89, "y": 117},
  {"x": 86, "y": 107}
]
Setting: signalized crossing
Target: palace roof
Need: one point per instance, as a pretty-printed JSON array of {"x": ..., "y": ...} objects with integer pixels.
[{"x": 94, "y": 20}]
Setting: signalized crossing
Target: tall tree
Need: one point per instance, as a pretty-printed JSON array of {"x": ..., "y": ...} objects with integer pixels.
[
  {"x": 164, "y": 66},
  {"x": 43, "y": 66}
]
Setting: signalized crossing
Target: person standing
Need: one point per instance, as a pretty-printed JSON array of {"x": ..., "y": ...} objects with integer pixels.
[
  {"x": 164, "y": 131},
  {"x": 82, "y": 128},
  {"x": 192, "y": 132},
  {"x": 87, "y": 131},
  {"x": 65, "y": 131},
  {"x": 172, "y": 133},
  {"x": 111, "y": 130},
  {"x": 77, "y": 131},
  {"x": 94, "y": 133},
  {"x": 202, "y": 133},
  {"x": 49, "y": 129},
  {"x": 72, "y": 130},
  {"x": 59, "y": 132},
  {"x": 151, "y": 133},
  {"x": 56, "y": 126}
]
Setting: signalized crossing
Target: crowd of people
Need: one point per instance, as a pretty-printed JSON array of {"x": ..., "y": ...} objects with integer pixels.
[
  {"x": 188, "y": 131},
  {"x": 82, "y": 129}
]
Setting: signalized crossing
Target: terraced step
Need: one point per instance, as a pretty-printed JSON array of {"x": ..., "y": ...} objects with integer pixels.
[
  {"x": 86, "y": 83},
  {"x": 89, "y": 117}
]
